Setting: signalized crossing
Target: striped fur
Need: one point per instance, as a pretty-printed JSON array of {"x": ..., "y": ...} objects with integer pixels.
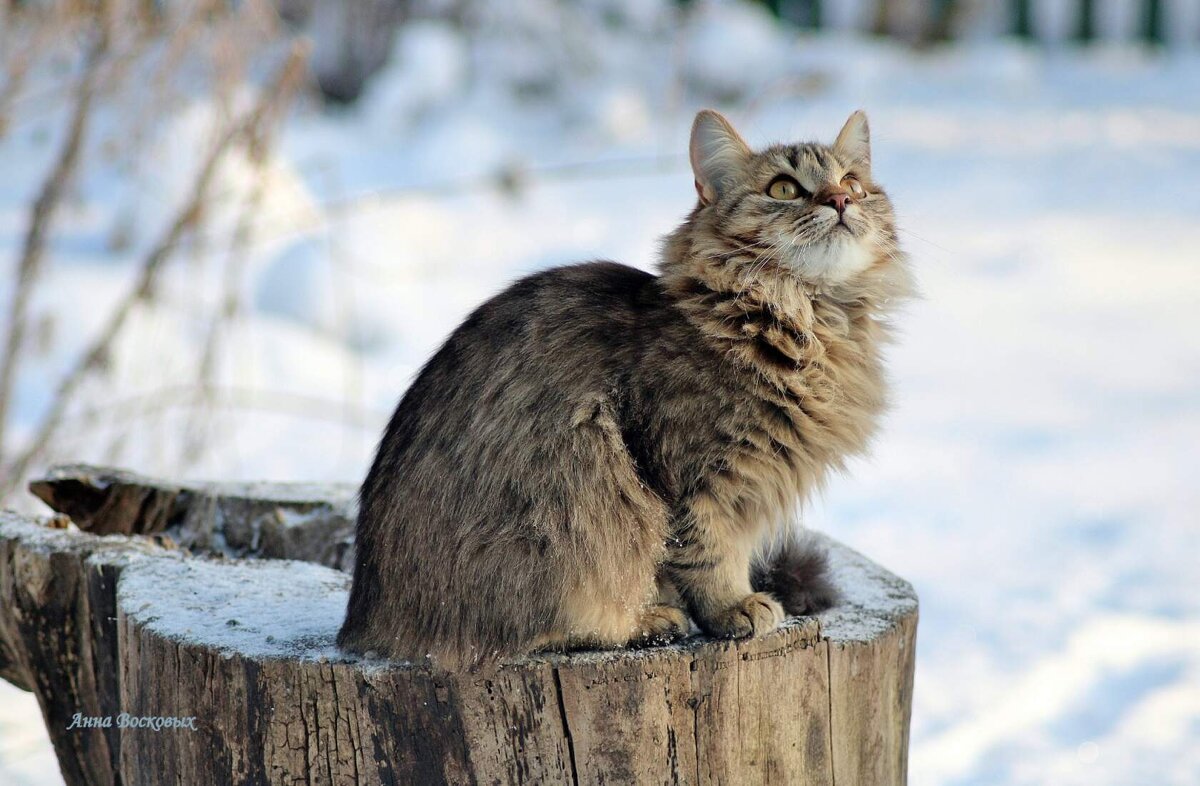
[{"x": 597, "y": 454}]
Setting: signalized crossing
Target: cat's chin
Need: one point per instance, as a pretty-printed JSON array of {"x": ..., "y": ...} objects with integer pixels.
[{"x": 834, "y": 260}]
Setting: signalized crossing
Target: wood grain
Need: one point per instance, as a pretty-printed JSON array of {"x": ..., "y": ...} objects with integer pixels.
[{"x": 98, "y": 625}]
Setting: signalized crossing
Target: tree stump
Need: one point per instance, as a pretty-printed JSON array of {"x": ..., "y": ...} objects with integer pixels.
[{"x": 216, "y": 609}]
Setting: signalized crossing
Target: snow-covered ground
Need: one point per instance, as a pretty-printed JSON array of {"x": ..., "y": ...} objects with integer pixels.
[{"x": 1036, "y": 480}]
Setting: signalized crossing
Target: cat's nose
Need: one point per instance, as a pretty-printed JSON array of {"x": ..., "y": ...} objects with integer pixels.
[{"x": 838, "y": 202}]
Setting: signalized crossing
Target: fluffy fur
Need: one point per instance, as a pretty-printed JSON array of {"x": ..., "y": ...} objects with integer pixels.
[{"x": 598, "y": 453}]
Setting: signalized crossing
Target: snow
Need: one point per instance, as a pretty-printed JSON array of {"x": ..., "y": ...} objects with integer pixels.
[
  {"x": 871, "y": 598},
  {"x": 262, "y": 609},
  {"x": 727, "y": 43},
  {"x": 115, "y": 549},
  {"x": 1035, "y": 481},
  {"x": 257, "y": 608}
]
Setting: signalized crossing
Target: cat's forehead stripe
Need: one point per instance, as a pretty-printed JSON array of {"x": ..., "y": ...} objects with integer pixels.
[
  {"x": 805, "y": 159},
  {"x": 824, "y": 162}
]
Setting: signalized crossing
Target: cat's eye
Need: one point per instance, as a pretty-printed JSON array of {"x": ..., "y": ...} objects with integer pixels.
[
  {"x": 784, "y": 187},
  {"x": 855, "y": 187}
]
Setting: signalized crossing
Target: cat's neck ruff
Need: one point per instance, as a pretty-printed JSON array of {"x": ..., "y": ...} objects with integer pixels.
[{"x": 746, "y": 281}]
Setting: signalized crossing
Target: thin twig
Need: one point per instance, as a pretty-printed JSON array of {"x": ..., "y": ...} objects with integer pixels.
[
  {"x": 227, "y": 309},
  {"x": 273, "y": 98},
  {"x": 282, "y": 226},
  {"x": 232, "y": 398}
]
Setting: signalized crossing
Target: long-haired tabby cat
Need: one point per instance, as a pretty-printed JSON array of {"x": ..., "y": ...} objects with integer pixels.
[{"x": 598, "y": 453}]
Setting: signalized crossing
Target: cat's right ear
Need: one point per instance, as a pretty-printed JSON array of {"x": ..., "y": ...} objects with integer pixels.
[{"x": 718, "y": 155}]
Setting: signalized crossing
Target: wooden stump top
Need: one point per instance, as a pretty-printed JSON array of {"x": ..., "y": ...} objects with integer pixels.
[{"x": 244, "y": 645}]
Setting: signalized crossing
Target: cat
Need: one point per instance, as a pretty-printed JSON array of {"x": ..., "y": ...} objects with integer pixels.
[{"x": 598, "y": 456}]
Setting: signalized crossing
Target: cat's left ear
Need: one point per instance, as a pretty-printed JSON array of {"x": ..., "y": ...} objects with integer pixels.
[
  {"x": 853, "y": 143},
  {"x": 718, "y": 155}
]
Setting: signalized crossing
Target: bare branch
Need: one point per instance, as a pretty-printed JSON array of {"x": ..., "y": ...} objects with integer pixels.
[
  {"x": 272, "y": 100},
  {"x": 41, "y": 217}
]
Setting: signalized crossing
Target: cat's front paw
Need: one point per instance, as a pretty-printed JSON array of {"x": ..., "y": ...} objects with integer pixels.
[
  {"x": 753, "y": 615},
  {"x": 660, "y": 624}
]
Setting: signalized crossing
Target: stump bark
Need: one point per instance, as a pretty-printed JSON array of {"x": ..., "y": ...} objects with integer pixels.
[{"x": 220, "y": 603}]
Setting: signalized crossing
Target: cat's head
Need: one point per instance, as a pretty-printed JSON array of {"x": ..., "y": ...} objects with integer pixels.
[{"x": 809, "y": 210}]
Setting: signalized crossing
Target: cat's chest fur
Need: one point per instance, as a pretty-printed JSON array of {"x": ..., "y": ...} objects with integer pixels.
[{"x": 802, "y": 388}]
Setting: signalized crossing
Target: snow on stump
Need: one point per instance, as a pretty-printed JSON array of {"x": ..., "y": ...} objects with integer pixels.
[{"x": 215, "y": 663}]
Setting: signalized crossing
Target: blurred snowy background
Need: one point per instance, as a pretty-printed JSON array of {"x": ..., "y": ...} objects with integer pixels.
[{"x": 213, "y": 266}]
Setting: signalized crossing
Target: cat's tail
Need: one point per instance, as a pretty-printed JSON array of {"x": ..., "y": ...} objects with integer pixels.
[{"x": 797, "y": 573}]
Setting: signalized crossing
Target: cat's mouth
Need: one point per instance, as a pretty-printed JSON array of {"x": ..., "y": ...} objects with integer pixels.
[
  {"x": 836, "y": 237},
  {"x": 836, "y": 228}
]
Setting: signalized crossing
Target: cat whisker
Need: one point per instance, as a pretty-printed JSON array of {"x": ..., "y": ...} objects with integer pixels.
[{"x": 923, "y": 240}]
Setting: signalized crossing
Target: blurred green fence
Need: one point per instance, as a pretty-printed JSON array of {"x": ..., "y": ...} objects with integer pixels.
[{"x": 1174, "y": 23}]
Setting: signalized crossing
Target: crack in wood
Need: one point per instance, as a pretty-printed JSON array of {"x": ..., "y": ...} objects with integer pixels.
[{"x": 566, "y": 725}]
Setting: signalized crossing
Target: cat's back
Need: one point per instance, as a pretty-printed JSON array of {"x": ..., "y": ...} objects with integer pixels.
[
  {"x": 526, "y": 360},
  {"x": 600, "y": 300},
  {"x": 589, "y": 312}
]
